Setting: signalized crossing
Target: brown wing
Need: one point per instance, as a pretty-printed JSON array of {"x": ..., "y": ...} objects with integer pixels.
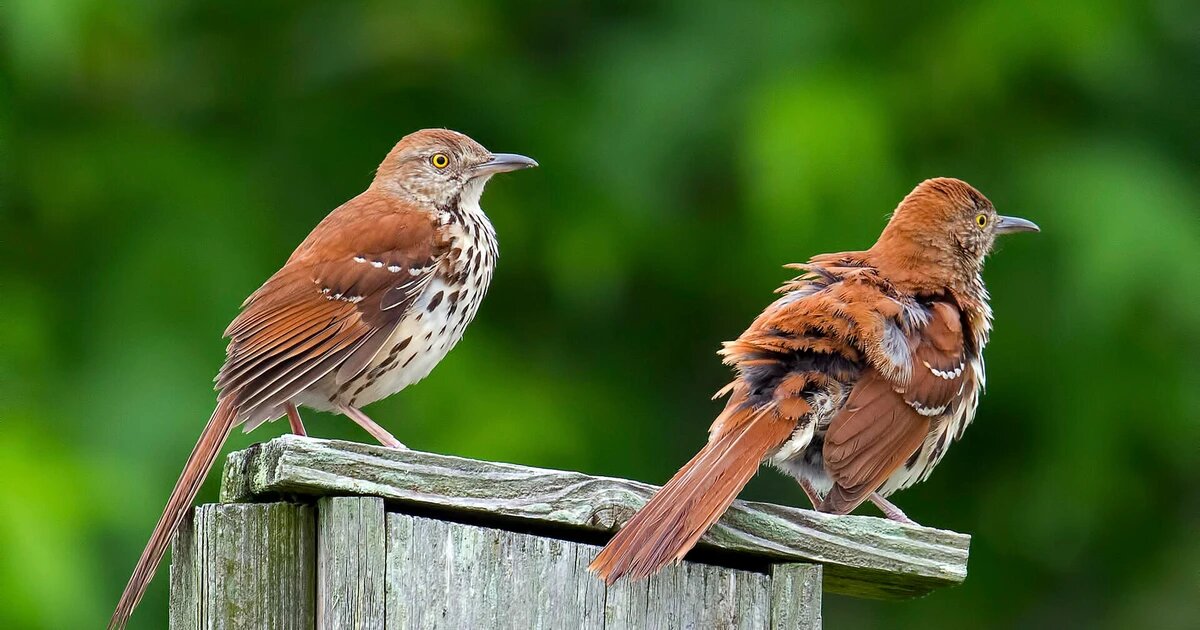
[
  {"x": 939, "y": 363},
  {"x": 331, "y": 306},
  {"x": 871, "y": 437},
  {"x": 884, "y": 422}
]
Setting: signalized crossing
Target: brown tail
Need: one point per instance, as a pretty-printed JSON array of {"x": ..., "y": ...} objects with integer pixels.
[
  {"x": 677, "y": 516},
  {"x": 194, "y": 472}
]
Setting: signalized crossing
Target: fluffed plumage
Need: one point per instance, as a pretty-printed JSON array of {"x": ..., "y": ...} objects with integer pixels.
[{"x": 854, "y": 381}]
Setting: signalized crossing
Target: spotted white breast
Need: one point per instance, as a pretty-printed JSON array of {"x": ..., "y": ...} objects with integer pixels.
[{"x": 433, "y": 324}]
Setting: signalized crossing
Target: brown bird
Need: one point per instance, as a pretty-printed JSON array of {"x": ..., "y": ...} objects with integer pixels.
[
  {"x": 854, "y": 381},
  {"x": 368, "y": 304}
]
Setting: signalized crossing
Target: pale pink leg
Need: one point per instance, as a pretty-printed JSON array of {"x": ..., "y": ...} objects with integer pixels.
[
  {"x": 293, "y": 415},
  {"x": 380, "y": 433},
  {"x": 810, "y": 491},
  {"x": 889, "y": 509}
]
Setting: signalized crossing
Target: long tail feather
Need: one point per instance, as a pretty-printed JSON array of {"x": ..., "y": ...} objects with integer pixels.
[
  {"x": 190, "y": 480},
  {"x": 677, "y": 516}
]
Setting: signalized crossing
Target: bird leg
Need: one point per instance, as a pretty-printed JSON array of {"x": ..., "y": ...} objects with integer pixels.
[
  {"x": 380, "y": 433},
  {"x": 814, "y": 497},
  {"x": 889, "y": 509},
  {"x": 293, "y": 415}
]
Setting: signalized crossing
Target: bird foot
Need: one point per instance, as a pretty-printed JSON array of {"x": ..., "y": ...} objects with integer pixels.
[
  {"x": 890, "y": 510},
  {"x": 379, "y": 433},
  {"x": 394, "y": 443}
]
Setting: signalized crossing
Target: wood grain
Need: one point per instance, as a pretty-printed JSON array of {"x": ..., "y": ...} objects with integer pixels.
[
  {"x": 350, "y": 563},
  {"x": 861, "y": 556},
  {"x": 451, "y": 575},
  {"x": 184, "y": 609},
  {"x": 253, "y": 568},
  {"x": 795, "y": 596}
]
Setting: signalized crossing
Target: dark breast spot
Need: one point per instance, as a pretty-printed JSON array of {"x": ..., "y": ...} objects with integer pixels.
[{"x": 435, "y": 300}]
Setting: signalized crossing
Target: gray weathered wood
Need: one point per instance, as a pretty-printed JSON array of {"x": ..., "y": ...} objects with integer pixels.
[
  {"x": 795, "y": 596},
  {"x": 185, "y": 608},
  {"x": 862, "y": 556},
  {"x": 254, "y": 566},
  {"x": 350, "y": 563},
  {"x": 691, "y": 595},
  {"x": 451, "y": 575}
]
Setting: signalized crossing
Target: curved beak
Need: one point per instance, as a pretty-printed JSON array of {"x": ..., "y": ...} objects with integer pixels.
[
  {"x": 1008, "y": 225},
  {"x": 503, "y": 163}
]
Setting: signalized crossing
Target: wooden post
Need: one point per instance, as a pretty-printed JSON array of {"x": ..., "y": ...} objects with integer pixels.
[
  {"x": 350, "y": 563},
  {"x": 185, "y": 608},
  {"x": 795, "y": 596},
  {"x": 253, "y": 567},
  {"x": 431, "y": 541}
]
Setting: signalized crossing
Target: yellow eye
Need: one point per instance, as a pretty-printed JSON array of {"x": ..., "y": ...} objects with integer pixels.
[
  {"x": 981, "y": 220},
  {"x": 439, "y": 160}
]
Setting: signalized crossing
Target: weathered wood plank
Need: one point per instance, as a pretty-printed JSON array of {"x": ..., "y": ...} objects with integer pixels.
[
  {"x": 691, "y": 595},
  {"x": 350, "y": 563},
  {"x": 399, "y": 595},
  {"x": 254, "y": 565},
  {"x": 184, "y": 606},
  {"x": 862, "y": 556},
  {"x": 451, "y": 575},
  {"x": 795, "y": 596}
]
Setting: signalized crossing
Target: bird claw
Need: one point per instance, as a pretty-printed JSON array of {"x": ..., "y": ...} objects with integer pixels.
[{"x": 890, "y": 510}]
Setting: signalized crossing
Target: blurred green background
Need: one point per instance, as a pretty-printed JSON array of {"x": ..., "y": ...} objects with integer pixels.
[{"x": 160, "y": 160}]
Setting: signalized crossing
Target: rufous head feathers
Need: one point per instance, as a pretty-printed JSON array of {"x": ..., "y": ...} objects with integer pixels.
[{"x": 944, "y": 227}]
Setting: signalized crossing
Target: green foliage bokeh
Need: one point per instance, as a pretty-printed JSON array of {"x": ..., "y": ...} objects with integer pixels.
[{"x": 159, "y": 160}]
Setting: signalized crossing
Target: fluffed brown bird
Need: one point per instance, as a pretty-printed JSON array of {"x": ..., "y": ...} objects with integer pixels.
[
  {"x": 368, "y": 304},
  {"x": 854, "y": 381}
]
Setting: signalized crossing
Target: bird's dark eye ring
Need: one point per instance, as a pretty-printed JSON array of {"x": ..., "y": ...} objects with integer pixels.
[
  {"x": 981, "y": 220},
  {"x": 439, "y": 160}
]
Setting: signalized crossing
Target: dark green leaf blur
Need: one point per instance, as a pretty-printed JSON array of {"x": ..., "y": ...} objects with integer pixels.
[{"x": 158, "y": 160}]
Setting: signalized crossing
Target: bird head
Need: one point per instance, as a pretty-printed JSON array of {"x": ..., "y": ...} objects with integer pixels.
[
  {"x": 440, "y": 167},
  {"x": 945, "y": 227}
]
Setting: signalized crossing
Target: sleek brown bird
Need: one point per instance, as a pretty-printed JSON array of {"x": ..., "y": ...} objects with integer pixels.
[
  {"x": 368, "y": 304},
  {"x": 854, "y": 382}
]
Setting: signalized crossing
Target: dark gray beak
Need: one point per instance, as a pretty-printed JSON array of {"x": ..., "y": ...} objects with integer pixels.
[
  {"x": 1008, "y": 225},
  {"x": 503, "y": 163}
]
